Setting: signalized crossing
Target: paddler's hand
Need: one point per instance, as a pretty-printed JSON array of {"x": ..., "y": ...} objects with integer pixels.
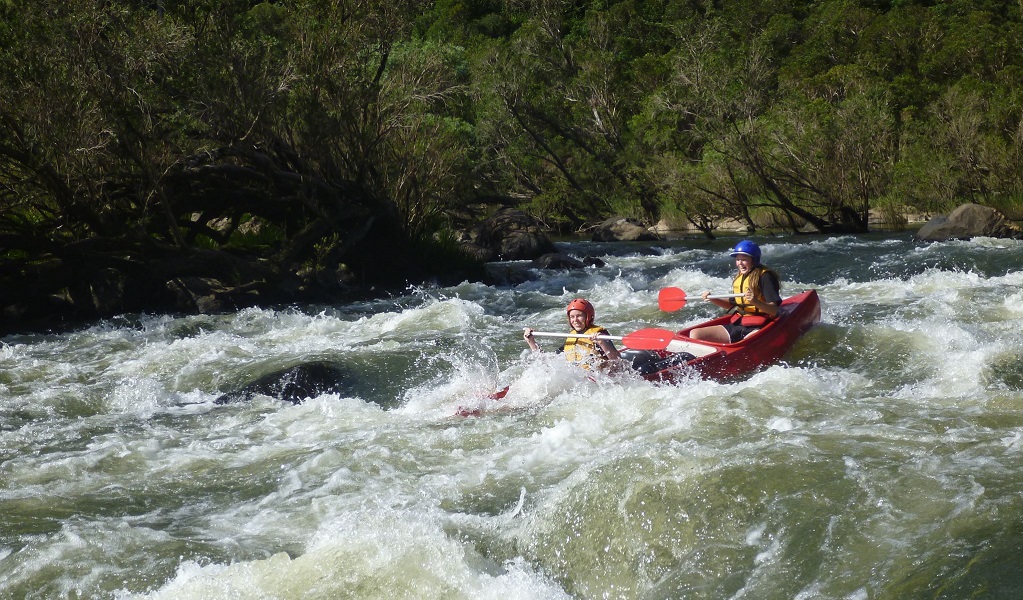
[
  {"x": 748, "y": 296},
  {"x": 716, "y": 301},
  {"x": 527, "y": 334}
]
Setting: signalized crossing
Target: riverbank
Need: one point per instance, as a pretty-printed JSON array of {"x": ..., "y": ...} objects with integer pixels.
[
  {"x": 877, "y": 221},
  {"x": 208, "y": 282}
]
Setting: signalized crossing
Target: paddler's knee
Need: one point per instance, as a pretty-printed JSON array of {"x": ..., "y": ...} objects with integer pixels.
[{"x": 642, "y": 361}]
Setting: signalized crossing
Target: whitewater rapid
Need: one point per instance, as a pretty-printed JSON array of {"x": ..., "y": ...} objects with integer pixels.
[{"x": 881, "y": 459}]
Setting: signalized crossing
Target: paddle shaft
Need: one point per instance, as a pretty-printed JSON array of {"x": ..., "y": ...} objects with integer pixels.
[
  {"x": 576, "y": 335},
  {"x": 671, "y": 298},
  {"x": 644, "y": 339}
]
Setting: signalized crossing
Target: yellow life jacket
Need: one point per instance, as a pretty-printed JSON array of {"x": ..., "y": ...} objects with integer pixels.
[
  {"x": 747, "y": 314},
  {"x": 583, "y": 349}
]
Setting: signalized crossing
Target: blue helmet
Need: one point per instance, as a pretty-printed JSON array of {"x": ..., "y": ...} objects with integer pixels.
[{"x": 749, "y": 248}]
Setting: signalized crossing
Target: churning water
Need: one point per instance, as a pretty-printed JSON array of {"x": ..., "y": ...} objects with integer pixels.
[{"x": 883, "y": 459}]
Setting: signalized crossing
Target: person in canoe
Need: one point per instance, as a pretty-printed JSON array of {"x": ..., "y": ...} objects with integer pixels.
[
  {"x": 583, "y": 349},
  {"x": 761, "y": 296}
]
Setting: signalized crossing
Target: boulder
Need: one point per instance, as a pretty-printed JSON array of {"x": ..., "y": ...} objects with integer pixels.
[
  {"x": 511, "y": 234},
  {"x": 969, "y": 221},
  {"x": 293, "y": 384},
  {"x": 557, "y": 260},
  {"x": 621, "y": 229},
  {"x": 476, "y": 252},
  {"x": 509, "y": 273},
  {"x": 669, "y": 226}
]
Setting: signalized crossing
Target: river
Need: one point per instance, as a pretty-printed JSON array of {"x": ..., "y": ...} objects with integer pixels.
[{"x": 882, "y": 459}]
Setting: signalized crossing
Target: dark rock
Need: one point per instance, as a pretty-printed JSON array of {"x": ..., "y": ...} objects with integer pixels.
[
  {"x": 509, "y": 273},
  {"x": 620, "y": 229},
  {"x": 969, "y": 221},
  {"x": 511, "y": 234},
  {"x": 294, "y": 384},
  {"x": 557, "y": 260},
  {"x": 478, "y": 252}
]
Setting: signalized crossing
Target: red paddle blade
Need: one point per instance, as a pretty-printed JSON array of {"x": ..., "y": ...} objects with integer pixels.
[
  {"x": 649, "y": 339},
  {"x": 671, "y": 299},
  {"x": 464, "y": 411}
]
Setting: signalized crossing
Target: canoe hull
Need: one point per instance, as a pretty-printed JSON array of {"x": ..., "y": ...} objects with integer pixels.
[{"x": 726, "y": 361}]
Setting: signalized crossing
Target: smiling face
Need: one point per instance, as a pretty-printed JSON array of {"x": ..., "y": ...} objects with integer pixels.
[
  {"x": 577, "y": 320},
  {"x": 744, "y": 262}
]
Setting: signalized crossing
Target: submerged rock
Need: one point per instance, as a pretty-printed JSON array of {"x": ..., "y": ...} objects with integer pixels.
[
  {"x": 294, "y": 384},
  {"x": 557, "y": 260}
]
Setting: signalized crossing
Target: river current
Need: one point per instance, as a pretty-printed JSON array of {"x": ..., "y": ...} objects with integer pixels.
[{"x": 881, "y": 459}]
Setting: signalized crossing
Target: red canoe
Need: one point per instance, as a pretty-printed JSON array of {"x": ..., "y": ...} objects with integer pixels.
[
  {"x": 682, "y": 356},
  {"x": 724, "y": 361}
]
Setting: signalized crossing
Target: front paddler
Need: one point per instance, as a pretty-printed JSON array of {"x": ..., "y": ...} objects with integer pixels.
[{"x": 584, "y": 349}]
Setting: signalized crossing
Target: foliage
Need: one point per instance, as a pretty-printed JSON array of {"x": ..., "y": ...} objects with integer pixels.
[
  {"x": 145, "y": 128},
  {"x": 150, "y": 125},
  {"x": 815, "y": 111}
]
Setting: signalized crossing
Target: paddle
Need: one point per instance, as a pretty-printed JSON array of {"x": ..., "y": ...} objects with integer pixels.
[
  {"x": 649, "y": 339},
  {"x": 463, "y": 411},
  {"x": 671, "y": 299},
  {"x": 644, "y": 339}
]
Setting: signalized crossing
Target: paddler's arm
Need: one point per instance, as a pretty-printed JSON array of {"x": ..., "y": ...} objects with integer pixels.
[
  {"x": 769, "y": 289},
  {"x": 527, "y": 334},
  {"x": 769, "y": 308},
  {"x": 610, "y": 352}
]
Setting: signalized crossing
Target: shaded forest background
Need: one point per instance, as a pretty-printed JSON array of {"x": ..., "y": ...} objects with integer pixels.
[{"x": 292, "y": 150}]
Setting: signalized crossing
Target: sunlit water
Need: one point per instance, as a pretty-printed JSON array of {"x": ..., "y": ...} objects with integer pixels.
[{"x": 883, "y": 459}]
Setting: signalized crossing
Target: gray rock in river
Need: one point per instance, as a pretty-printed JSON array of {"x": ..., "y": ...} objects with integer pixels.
[
  {"x": 621, "y": 229},
  {"x": 969, "y": 221},
  {"x": 557, "y": 260},
  {"x": 294, "y": 384},
  {"x": 510, "y": 234}
]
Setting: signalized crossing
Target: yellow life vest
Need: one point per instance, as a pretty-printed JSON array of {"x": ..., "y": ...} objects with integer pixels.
[
  {"x": 583, "y": 349},
  {"x": 747, "y": 313}
]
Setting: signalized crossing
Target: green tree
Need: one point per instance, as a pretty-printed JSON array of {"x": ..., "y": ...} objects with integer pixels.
[
  {"x": 961, "y": 153},
  {"x": 561, "y": 95},
  {"x": 141, "y": 134}
]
